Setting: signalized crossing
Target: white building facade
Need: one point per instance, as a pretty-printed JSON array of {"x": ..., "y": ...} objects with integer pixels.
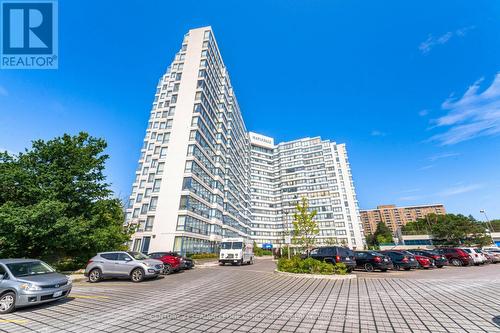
[{"x": 202, "y": 176}]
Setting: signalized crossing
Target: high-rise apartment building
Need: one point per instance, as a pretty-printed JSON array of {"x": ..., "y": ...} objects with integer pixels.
[
  {"x": 313, "y": 168},
  {"x": 202, "y": 176},
  {"x": 396, "y": 217}
]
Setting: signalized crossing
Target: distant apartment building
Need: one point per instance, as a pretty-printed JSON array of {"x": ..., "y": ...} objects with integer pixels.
[
  {"x": 395, "y": 217},
  {"x": 202, "y": 176}
]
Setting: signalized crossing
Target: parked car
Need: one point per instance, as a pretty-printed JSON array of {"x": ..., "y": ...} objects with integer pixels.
[
  {"x": 372, "y": 260},
  {"x": 186, "y": 263},
  {"x": 456, "y": 256},
  {"x": 401, "y": 260},
  {"x": 25, "y": 282},
  {"x": 477, "y": 256},
  {"x": 171, "y": 263},
  {"x": 493, "y": 252},
  {"x": 120, "y": 264},
  {"x": 439, "y": 259},
  {"x": 334, "y": 254}
]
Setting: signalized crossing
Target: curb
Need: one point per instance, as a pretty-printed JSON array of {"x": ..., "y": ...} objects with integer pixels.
[
  {"x": 78, "y": 278},
  {"x": 317, "y": 276}
]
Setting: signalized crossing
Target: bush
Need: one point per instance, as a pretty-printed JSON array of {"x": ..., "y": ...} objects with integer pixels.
[
  {"x": 202, "y": 255},
  {"x": 310, "y": 266}
]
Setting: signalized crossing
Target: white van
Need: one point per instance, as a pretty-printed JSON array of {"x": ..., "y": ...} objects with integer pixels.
[{"x": 236, "y": 251}]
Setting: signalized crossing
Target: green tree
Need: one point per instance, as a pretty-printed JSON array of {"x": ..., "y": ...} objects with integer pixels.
[
  {"x": 382, "y": 234},
  {"x": 495, "y": 225},
  {"x": 304, "y": 227},
  {"x": 55, "y": 203},
  {"x": 456, "y": 229}
]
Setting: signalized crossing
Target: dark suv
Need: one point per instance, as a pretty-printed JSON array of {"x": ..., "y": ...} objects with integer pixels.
[
  {"x": 401, "y": 260},
  {"x": 334, "y": 254},
  {"x": 457, "y": 257},
  {"x": 371, "y": 260}
]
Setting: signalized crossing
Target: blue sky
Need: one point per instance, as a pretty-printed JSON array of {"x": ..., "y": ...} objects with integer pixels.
[{"x": 412, "y": 87}]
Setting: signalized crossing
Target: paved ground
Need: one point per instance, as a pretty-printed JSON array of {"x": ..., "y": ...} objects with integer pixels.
[{"x": 252, "y": 298}]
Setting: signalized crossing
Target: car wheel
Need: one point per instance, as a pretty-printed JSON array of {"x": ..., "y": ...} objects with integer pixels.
[
  {"x": 383, "y": 270},
  {"x": 407, "y": 268},
  {"x": 7, "y": 302},
  {"x": 369, "y": 267},
  {"x": 439, "y": 266},
  {"x": 137, "y": 275},
  {"x": 167, "y": 269},
  {"x": 397, "y": 267},
  {"x": 220, "y": 264},
  {"x": 456, "y": 262},
  {"x": 95, "y": 275},
  {"x": 252, "y": 261}
]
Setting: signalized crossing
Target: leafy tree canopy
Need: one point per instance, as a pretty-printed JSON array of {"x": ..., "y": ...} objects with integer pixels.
[
  {"x": 55, "y": 203},
  {"x": 450, "y": 228}
]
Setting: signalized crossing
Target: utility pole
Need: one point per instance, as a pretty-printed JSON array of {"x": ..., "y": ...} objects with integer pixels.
[{"x": 488, "y": 223}]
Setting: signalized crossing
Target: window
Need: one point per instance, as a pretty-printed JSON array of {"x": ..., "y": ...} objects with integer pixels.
[
  {"x": 163, "y": 152},
  {"x": 110, "y": 256},
  {"x": 147, "y": 193},
  {"x": 149, "y": 223},
  {"x": 153, "y": 203},
  {"x": 136, "y": 213},
  {"x": 161, "y": 167},
  {"x": 137, "y": 244},
  {"x": 156, "y": 185},
  {"x": 139, "y": 197},
  {"x": 144, "y": 208},
  {"x": 151, "y": 177},
  {"x": 145, "y": 244}
]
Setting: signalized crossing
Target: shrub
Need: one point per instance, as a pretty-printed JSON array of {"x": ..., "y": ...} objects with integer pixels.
[
  {"x": 310, "y": 266},
  {"x": 202, "y": 255}
]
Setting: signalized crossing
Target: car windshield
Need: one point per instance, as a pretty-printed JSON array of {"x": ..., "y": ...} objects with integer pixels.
[
  {"x": 138, "y": 255},
  {"x": 478, "y": 251},
  {"x": 231, "y": 245},
  {"x": 375, "y": 254},
  {"x": 30, "y": 268},
  {"x": 467, "y": 250}
]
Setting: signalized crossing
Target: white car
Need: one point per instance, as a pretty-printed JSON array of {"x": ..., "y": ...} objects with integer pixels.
[
  {"x": 493, "y": 252},
  {"x": 476, "y": 255}
]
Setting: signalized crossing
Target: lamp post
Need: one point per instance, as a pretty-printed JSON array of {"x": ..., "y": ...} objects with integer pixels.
[{"x": 488, "y": 223}]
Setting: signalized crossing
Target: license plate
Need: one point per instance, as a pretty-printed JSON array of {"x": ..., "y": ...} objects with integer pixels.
[
  {"x": 385, "y": 259},
  {"x": 57, "y": 294},
  {"x": 411, "y": 259},
  {"x": 347, "y": 259}
]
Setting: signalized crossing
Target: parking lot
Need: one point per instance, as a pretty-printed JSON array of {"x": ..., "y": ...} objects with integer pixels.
[{"x": 254, "y": 298}]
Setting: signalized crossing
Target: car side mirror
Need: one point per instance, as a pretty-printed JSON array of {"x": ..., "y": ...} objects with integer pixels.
[{"x": 128, "y": 259}]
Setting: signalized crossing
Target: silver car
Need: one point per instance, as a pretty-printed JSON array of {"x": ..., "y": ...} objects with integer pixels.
[
  {"x": 120, "y": 264},
  {"x": 26, "y": 282}
]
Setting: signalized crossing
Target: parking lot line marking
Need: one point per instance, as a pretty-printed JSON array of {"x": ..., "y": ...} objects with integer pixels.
[
  {"x": 13, "y": 321},
  {"x": 87, "y": 296}
]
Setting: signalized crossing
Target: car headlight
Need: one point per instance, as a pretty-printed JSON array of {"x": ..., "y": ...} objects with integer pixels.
[
  {"x": 70, "y": 280},
  {"x": 30, "y": 287}
]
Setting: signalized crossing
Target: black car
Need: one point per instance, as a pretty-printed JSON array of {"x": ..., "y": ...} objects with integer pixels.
[
  {"x": 372, "y": 260},
  {"x": 334, "y": 254},
  {"x": 401, "y": 260},
  {"x": 186, "y": 263},
  {"x": 439, "y": 259}
]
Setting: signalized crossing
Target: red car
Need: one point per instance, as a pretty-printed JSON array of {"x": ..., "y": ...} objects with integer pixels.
[
  {"x": 456, "y": 256},
  {"x": 423, "y": 262},
  {"x": 171, "y": 263}
]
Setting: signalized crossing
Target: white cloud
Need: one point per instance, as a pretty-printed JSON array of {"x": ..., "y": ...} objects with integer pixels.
[
  {"x": 377, "y": 133},
  {"x": 423, "y": 113},
  {"x": 459, "y": 189},
  {"x": 3, "y": 91},
  {"x": 475, "y": 114},
  {"x": 442, "y": 155},
  {"x": 431, "y": 41},
  {"x": 426, "y": 167}
]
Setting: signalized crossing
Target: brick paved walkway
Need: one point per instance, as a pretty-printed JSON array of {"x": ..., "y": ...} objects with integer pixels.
[{"x": 253, "y": 299}]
